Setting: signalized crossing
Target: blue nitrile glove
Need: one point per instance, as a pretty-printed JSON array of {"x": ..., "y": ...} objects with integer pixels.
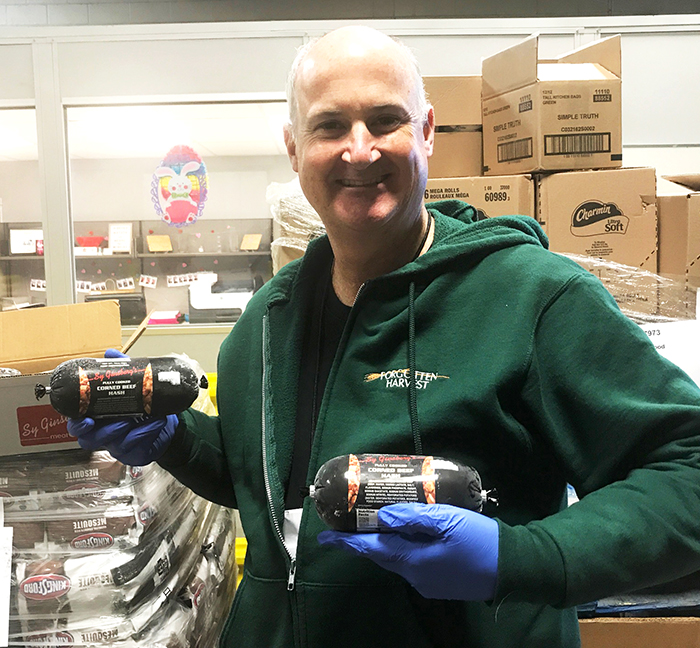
[
  {"x": 445, "y": 552},
  {"x": 134, "y": 440},
  {"x": 113, "y": 353}
]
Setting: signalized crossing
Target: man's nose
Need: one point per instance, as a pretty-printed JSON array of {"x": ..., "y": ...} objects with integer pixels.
[{"x": 360, "y": 149}]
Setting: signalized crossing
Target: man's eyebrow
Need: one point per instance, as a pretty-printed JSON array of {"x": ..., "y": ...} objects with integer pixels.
[
  {"x": 334, "y": 114},
  {"x": 324, "y": 114}
]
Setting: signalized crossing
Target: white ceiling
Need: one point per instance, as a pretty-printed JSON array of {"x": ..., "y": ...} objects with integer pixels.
[{"x": 215, "y": 129}]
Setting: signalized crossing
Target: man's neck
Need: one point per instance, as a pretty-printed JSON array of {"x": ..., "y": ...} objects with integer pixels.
[{"x": 357, "y": 261}]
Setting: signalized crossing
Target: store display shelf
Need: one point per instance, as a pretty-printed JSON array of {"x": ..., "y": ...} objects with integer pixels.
[
  {"x": 164, "y": 255},
  {"x": 104, "y": 256},
  {"x": 21, "y": 257}
]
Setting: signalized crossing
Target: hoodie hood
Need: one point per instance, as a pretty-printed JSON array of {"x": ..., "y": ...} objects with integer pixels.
[{"x": 459, "y": 235}]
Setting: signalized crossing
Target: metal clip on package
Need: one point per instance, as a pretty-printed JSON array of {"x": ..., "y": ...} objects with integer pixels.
[{"x": 104, "y": 387}]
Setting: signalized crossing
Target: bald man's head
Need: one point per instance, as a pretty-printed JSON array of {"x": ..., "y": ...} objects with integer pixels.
[{"x": 342, "y": 45}]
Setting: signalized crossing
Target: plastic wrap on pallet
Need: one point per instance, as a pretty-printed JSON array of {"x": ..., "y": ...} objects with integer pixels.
[
  {"x": 297, "y": 220},
  {"x": 645, "y": 297},
  {"x": 110, "y": 555}
]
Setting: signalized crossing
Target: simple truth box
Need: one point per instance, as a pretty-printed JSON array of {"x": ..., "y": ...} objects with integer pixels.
[{"x": 552, "y": 115}]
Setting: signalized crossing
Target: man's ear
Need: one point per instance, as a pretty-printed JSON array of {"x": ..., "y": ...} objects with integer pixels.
[
  {"x": 291, "y": 145},
  {"x": 429, "y": 132}
]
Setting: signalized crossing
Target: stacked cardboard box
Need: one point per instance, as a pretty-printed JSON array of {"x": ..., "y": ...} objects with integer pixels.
[
  {"x": 458, "y": 137},
  {"x": 39, "y": 339},
  {"x": 456, "y": 166},
  {"x": 560, "y": 120},
  {"x": 607, "y": 215},
  {"x": 678, "y": 205},
  {"x": 544, "y": 115},
  {"x": 491, "y": 196}
]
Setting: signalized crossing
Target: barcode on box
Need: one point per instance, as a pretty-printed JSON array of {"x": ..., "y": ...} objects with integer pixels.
[
  {"x": 577, "y": 144},
  {"x": 517, "y": 150}
]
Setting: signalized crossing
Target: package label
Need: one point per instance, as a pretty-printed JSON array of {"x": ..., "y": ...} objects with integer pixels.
[
  {"x": 678, "y": 342},
  {"x": 110, "y": 385},
  {"x": 594, "y": 218},
  {"x": 41, "y": 425},
  {"x": 373, "y": 482}
]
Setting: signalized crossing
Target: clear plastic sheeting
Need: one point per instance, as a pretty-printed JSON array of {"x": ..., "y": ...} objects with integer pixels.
[
  {"x": 297, "y": 221},
  {"x": 645, "y": 297},
  {"x": 107, "y": 555}
]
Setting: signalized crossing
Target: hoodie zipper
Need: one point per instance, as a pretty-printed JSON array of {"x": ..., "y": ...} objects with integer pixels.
[{"x": 266, "y": 473}]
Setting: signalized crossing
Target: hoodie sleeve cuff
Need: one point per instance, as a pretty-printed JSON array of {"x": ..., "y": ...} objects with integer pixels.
[
  {"x": 179, "y": 451},
  {"x": 530, "y": 566}
]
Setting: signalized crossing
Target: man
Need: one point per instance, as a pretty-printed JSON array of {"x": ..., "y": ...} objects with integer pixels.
[{"x": 527, "y": 371}]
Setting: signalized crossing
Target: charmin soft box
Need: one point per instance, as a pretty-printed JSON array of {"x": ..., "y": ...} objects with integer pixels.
[
  {"x": 458, "y": 137},
  {"x": 493, "y": 196},
  {"x": 552, "y": 115},
  {"x": 608, "y": 215},
  {"x": 39, "y": 339}
]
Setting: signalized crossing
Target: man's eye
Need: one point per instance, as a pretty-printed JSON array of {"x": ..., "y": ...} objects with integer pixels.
[
  {"x": 329, "y": 126},
  {"x": 387, "y": 122}
]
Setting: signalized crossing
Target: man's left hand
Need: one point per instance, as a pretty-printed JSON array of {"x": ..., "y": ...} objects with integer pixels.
[{"x": 445, "y": 552}]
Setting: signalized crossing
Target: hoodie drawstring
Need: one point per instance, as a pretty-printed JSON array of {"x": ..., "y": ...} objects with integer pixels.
[{"x": 412, "y": 389}]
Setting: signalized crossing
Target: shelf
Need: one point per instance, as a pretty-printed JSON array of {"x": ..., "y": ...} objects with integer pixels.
[
  {"x": 165, "y": 255},
  {"x": 21, "y": 257},
  {"x": 103, "y": 256}
]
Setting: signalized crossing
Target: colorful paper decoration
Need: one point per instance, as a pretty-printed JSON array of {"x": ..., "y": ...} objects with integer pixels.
[{"x": 179, "y": 187}]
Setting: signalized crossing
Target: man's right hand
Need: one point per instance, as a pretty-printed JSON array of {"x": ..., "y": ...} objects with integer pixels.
[{"x": 135, "y": 441}]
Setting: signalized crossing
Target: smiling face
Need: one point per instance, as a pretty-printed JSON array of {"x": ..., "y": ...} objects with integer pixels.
[{"x": 360, "y": 144}]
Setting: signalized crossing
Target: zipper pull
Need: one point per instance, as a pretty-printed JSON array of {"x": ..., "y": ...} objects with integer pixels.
[{"x": 292, "y": 574}]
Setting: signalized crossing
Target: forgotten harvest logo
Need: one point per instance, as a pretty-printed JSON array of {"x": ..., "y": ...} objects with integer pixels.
[
  {"x": 401, "y": 378},
  {"x": 593, "y": 217}
]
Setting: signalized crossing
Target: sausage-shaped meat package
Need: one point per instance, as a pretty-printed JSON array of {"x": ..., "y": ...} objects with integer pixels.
[
  {"x": 350, "y": 489},
  {"x": 105, "y": 387}
]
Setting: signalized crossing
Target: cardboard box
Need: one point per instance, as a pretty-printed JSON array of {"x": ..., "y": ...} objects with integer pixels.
[
  {"x": 640, "y": 632},
  {"x": 456, "y": 153},
  {"x": 456, "y": 99},
  {"x": 39, "y": 339},
  {"x": 608, "y": 215},
  {"x": 496, "y": 196},
  {"x": 678, "y": 206},
  {"x": 541, "y": 115},
  {"x": 458, "y": 136},
  {"x": 282, "y": 254}
]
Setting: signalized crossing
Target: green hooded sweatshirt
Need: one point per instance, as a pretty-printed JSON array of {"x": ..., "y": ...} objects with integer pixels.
[{"x": 524, "y": 369}]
